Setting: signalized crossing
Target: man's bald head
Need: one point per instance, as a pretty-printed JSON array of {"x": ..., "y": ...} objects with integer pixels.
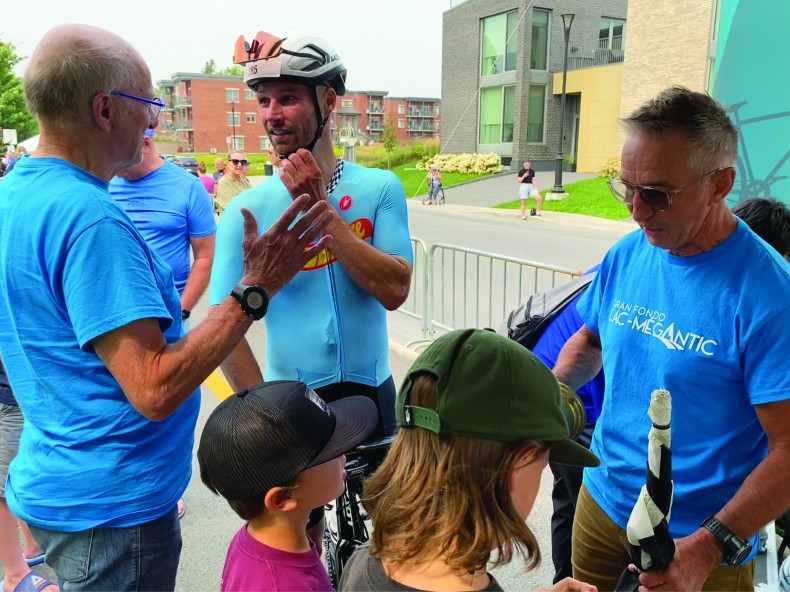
[{"x": 73, "y": 63}]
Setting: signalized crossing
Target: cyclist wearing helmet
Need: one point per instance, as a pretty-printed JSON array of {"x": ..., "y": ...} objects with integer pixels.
[{"x": 327, "y": 327}]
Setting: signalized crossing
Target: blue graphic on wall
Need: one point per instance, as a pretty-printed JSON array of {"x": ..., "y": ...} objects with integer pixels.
[{"x": 750, "y": 79}]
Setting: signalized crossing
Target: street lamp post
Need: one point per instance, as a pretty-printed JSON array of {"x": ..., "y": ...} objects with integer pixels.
[
  {"x": 567, "y": 21},
  {"x": 233, "y": 121}
]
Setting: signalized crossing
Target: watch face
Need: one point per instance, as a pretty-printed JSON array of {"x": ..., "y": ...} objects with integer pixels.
[
  {"x": 254, "y": 300},
  {"x": 741, "y": 554}
]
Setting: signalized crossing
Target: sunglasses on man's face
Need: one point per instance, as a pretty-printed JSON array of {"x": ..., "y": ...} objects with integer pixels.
[
  {"x": 658, "y": 198},
  {"x": 237, "y": 162}
]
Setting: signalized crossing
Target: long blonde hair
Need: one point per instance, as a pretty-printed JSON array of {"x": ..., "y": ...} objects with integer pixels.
[{"x": 444, "y": 496}]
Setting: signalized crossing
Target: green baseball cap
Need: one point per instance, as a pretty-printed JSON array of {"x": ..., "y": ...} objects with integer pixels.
[{"x": 491, "y": 388}]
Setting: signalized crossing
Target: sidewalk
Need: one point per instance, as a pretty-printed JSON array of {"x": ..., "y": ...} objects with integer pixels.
[{"x": 563, "y": 218}]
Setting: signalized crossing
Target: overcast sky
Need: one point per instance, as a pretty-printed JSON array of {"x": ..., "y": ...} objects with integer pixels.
[{"x": 393, "y": 46}]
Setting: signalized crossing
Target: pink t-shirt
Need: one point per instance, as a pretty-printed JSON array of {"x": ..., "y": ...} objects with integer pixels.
[
  {"x": 252, "y": 566},
  {"x": 209, "y": 183}
]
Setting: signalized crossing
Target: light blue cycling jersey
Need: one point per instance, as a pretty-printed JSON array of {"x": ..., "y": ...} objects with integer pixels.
[{"x": 322, "y": 328}]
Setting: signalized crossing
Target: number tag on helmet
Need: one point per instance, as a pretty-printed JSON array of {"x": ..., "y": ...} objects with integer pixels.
[{"x": 263, "y": 68}]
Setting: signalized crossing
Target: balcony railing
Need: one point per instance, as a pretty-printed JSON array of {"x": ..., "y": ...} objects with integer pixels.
[
  {"x": 375, "y": 125},
  {"x": 182, "y": 100},
  {"x": 182, "y": 125},
  {"x": 614, "y": 42},
  {"x": 601, "y": 57},
  {"x": 374, "y": 109}
]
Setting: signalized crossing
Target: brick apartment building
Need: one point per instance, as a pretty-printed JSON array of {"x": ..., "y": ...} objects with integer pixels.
[{"x": 217, "y": 113}]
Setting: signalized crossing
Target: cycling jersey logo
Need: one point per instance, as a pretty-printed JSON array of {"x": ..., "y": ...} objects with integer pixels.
[
  {"x": 654, "y": 323},
  {"x": 345, "y": 202},
  {"x": 362, "y": 227}
]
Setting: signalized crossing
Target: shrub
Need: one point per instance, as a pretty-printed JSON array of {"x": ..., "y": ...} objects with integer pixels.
[
  {"x": 463, "y": 163},
  {"x": 610, "y": 169}
]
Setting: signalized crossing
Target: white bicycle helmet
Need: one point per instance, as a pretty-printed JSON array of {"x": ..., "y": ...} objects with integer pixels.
[{"x": 294, "y": 57}]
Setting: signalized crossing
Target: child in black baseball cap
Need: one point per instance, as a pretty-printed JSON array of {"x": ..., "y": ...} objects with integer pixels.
[{"x": 275, "y": 452}]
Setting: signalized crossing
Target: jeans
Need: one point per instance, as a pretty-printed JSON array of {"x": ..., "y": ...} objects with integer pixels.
[{"x": 134, "y": 558}]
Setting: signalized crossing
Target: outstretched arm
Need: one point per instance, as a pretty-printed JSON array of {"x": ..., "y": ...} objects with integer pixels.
[{"x": 156, "y": 376}]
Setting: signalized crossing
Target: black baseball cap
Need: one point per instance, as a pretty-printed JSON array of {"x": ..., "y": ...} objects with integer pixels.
[{"x": 265, "y": 436}]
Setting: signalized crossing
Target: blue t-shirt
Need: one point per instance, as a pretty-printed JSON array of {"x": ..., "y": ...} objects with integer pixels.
[
  {"x": 74, "y": 268},
  {"x": 711, "y": 329},
  {"x": 169, "y": 206},
  {"x": 548, "y": 348},
  {"x": 322, "y": 328}
]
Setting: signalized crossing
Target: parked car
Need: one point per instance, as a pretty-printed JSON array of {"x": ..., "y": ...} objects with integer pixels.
[{"x": 188, "y": 163}]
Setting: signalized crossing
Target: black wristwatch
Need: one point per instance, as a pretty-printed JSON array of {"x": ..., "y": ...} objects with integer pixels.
[
  {"x": 736, "y": 549},
  {"x": 254, "y": 300},
  {"x": 185, "y": 314}
]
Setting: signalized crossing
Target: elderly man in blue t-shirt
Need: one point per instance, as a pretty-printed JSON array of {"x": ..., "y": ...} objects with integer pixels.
[
  {"x": 90, "y": 323},
  {"x": 696, "y": 303}
]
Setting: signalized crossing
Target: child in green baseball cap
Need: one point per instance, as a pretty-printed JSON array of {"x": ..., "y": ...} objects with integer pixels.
[{"x": 479, "y": 419}]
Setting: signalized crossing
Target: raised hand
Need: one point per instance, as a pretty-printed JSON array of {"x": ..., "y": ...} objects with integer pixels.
[
  {"x": 300, "y": 174},
  {"x": 274, "y": 258}
]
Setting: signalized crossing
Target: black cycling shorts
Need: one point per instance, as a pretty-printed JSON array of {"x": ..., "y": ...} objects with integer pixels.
[{"x": 384, "y": 398}]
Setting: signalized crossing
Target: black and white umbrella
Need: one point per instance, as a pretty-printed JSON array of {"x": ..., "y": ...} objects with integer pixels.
[{"x": 652, "y": 547}]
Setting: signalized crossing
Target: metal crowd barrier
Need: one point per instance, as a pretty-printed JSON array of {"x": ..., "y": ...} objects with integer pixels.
[{"x": 454, "y": 287}]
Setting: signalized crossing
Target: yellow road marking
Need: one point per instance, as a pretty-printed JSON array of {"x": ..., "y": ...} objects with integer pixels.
[{"x": 218, "y": 385}]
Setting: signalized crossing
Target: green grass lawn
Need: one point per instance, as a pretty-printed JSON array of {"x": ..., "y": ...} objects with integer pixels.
[
  {"x": 590, "y": 197},
  {"x": 414, "y": 181}
]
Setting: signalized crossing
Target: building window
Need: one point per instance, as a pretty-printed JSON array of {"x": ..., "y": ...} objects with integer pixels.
[
  {"x": 611, "y": 34},
  {"x": 500, "y": 44},
  {"x": 265, "y": 143},
  {"x": 497, "y": 114},
  {"x": 234, "y": 119},
  {"x": 238, "y": 143},
  {"x": 539, "y": 49},
  {"x": 249, "y": 117},
  {"x": 249, "y": 94},
  {"x": 536, "y": 114},
  {"x": 232, "y": 95},
  {"x": 375, "y": 107},
  {"x": 436, "y": 111},
  {"x": 401, "y": 124},
  {"x": 347, "y": 103},
  {"x": 401, "y": 109}
]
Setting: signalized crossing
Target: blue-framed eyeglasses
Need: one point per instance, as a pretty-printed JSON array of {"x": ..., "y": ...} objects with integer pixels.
[{"x": 155, "y": 105}]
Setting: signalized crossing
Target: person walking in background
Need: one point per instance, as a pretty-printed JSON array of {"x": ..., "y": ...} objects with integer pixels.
[
  {"x": 274, "y": 158},
  {"x": 528, "y": 188},
  {"x": 434, "y": 178},
  {"x": 208, "y": 181},
  {"x": 234, "y": 181},
  {"x": 16, "y": 564},
  {"x": 95, "y": 353}
]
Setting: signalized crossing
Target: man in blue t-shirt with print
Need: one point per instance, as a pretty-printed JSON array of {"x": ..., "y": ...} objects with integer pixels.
[
  {"x": 90, "y": 324},
  {"x": 696, "y": 303},
  {"x": 174, "y": 214}
]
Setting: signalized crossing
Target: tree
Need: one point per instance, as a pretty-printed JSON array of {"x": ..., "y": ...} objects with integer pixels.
[
  {"x": 234, "y": 70},
  {"x": 210, "y": 67},
  {"x": 13, "y": 113},
  {"x": 388, "y": 138}
]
